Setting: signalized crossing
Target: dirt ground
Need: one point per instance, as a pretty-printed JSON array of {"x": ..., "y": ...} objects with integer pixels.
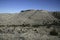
[{"x": 27, "y": 33}]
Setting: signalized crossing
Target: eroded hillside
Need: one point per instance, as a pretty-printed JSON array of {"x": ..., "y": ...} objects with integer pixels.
[
  {"x": 28, "y": 17},
  {"x": 30, "y": 25}
]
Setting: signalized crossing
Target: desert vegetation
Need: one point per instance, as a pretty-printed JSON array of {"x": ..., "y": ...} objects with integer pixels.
[
  {"x": 54, "y": 32},
  {"x": 30, "y": 25},
  {"x": 56, "y": 14}
]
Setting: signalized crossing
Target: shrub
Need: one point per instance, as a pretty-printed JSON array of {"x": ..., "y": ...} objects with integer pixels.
[
  {"x": 22, "y": 11},
  {"x": 24, "y": 25},
  {"x": 28, "y": 10},
  {"x": 56, "y": 14},
  {"x": 53, "y": 32},
  {"x": 36, "y": 25},
  {"x": 49, "y": 25},
  {"x": 2, "y": 25},
  {"x": 36, "y": 30}
]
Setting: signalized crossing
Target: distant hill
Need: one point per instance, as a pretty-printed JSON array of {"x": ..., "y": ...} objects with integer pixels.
[{"x": 29, "y": 17}]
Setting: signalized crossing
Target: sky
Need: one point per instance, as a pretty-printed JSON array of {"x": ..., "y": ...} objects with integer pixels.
[{"x": 14, "y": 6}]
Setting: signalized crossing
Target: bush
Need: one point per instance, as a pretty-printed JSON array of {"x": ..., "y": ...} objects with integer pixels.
[
  {"x": 49, "y": 25},
  {"x": 25, "y": 10},
  {"x": 22, "y": 11},
  {"x": 28, "y": 10},
  {"x": 24, "y": 25},
  {"x": 56, "y": 14},
  {"x": 36, "y": 30},
  {"x": 53, "y": 32},
  {"x": 2, "y": 25},
  {"x": 36, "y": 25}
]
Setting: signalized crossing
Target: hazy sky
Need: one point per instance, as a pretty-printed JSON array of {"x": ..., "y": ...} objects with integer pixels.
[{"x": 12, "y": 6}]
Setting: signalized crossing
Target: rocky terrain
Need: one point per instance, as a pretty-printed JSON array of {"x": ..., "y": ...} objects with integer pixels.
[{"x": 30, "y": 25}]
